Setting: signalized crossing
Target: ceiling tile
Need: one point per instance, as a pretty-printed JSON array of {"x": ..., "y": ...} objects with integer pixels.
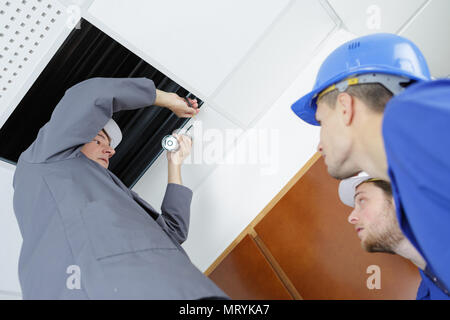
[
  {"x": 197, "y": 42},
  {"x": 430, "y": 31},
  {"x": 274, "y": 63}
]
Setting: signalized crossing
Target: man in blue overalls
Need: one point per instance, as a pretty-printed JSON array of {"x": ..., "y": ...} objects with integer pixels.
[{"x": 380, "y": 113}]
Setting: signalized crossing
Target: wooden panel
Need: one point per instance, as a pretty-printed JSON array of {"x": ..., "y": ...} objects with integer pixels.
[
  {"x": 250, "y": 228},
  {"x": 246, "y": 274},
  {"x": 308, "y": 234}
]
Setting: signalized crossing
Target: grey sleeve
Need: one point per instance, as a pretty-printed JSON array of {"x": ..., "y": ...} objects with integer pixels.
[
  {"x": 83, "y": 111},
  {"x": 176, "y": 210}
]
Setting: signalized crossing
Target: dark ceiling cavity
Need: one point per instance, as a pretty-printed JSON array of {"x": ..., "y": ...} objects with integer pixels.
[{"x": 87, "y": 53}]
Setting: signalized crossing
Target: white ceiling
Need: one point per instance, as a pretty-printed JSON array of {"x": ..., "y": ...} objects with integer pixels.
[
  {"x": 274, "y": 63},
  {"x": 196, "y": 42},
  {"x": 225, "y": 60},
  {"x": 431, "y": 32}
]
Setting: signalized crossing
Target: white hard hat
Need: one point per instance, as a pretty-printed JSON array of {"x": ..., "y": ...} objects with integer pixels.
[
  {"x": 347, "y": 188},
  {"x": 114, "y": 133}
]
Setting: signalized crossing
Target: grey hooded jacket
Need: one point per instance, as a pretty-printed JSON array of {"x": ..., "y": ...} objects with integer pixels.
[{"x": 85, "y": 234}]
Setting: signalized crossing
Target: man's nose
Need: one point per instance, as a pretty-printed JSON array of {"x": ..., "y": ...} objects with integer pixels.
[
  {"x": 352, "y": 218},
  {"x": 109, "y": 151}
]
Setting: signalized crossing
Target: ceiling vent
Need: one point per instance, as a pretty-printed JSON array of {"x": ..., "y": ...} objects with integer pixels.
[{"x": 26, "y": 29}]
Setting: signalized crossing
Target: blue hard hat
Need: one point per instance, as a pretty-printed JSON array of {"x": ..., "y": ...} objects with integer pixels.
[{"x": 380, "y": 53}]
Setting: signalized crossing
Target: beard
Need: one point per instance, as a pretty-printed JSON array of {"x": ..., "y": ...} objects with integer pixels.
[
  {"x": 385, "y": 242},
  {"x": 387, "y": 239}
]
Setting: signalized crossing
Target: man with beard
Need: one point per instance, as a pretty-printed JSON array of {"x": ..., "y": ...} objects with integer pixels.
[{"x": 376, "y": 225}]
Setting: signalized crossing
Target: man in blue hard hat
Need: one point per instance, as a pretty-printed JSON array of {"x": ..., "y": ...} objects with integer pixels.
[{"x": 380, "y": 113}]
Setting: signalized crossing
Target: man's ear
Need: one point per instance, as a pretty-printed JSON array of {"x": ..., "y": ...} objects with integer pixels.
[{"x": 346, "y": 107}]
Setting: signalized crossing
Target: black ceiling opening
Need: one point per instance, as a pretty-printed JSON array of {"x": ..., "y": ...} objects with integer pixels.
[{"x": 86, "y": 53}]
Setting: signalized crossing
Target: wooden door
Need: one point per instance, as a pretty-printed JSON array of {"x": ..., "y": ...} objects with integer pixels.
[{"x": 313, "y": 251}]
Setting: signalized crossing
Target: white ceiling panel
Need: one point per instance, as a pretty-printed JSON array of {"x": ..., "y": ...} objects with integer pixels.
[
  {"x": 430, "y": 31},
  {"x": 213, "y": 136},
  {"x": 197, "y": 43},
  {"x": 274, "y": 63},
  {"x": 369, "y": 16}
]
